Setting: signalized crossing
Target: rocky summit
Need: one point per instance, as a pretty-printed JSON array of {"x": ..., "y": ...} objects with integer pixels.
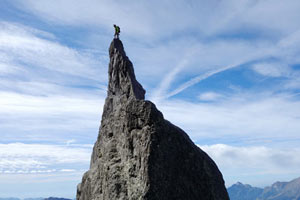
[{"x": 139, "y": 154}]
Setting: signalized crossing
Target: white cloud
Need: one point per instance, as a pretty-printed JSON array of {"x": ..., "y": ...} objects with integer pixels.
[
  {"x": 261, "y": 158},
  {"x": 41, "y": 158},
  {"x": 21, "y": 46},
  {"x": 223, "y": 17},
  {"x": 209, "y": 96},
  {"x": 272, "y": 69},
  {"x": 293, "y": 83},
  {"x": 160, "y": 18},
  {"x": 47, "y": 87},
  {"x": 67, "y": 170},
  {"x": 265, "y": 13},
  {"x": 237, "y": 161},
  {"x": 54, "y": 118},
  {"x": 69, "y": 142},
  {"x": 203, "y": 18},
  {"x": 23, "y": 104},
  {"x": 275, "y": 69},
  {"x": 139, "y": 18},
  {"x": 242, "y": 118}
]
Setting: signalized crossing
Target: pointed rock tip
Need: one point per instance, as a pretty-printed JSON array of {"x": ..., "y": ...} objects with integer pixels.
[
  {"x": 122, "y": 79},
  {"x": 116, "y": 44}
]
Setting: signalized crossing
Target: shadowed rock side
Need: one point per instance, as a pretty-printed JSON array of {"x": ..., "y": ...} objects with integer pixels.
[{"x": 140, "y": 155}]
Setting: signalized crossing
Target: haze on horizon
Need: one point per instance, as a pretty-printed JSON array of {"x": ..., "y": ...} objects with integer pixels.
[{"x": 227, "y": 72}]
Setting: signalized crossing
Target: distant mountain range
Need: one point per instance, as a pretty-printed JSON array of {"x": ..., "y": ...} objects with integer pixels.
[
  {"x": 277, "y": 191},
  {"x": 50, "y": 198}
]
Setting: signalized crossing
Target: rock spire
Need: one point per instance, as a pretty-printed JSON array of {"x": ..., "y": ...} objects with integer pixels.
[{"x": 138, "y": 154}]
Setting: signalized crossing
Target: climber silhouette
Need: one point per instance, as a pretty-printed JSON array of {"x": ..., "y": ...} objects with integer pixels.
[{"x": 117, "y": 31}]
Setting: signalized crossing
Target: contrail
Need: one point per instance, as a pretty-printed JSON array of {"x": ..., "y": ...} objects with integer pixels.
[{"x": 197, "y": 79}]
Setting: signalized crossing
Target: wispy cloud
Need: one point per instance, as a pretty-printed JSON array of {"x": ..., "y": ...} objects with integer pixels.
[
  {"x": 151, "y": 19},
  {"x": 282, "y": 50},
  {"x": 272, "y": 69},
  {"x": 169, "y": 77},
  {"x": 197, "y": 79},
  {"x": 279, "y": 70},
  {"x": 202, "y": 60},
  {"x": 22, "y": 48},
  {"x": 230, "y": 34},
  {"x": 46, "y": 86}
]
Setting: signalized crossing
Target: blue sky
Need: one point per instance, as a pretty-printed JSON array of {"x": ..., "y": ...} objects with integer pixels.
[{"x": 227, "y": 72}]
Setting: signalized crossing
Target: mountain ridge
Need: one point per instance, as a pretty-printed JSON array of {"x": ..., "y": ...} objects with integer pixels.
[{"x": 277, "y": 191}]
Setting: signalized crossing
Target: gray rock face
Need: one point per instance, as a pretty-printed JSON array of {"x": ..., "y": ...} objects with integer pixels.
[{"x": 139, "y": 154}]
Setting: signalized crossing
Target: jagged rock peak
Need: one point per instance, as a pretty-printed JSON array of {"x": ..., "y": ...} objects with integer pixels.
[
  {"x": 138, "y": 154},
  {"x": 122, "y": 81}
]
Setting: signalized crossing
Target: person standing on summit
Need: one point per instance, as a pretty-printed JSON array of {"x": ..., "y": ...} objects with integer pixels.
[{"x": 117, "y": 31}]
